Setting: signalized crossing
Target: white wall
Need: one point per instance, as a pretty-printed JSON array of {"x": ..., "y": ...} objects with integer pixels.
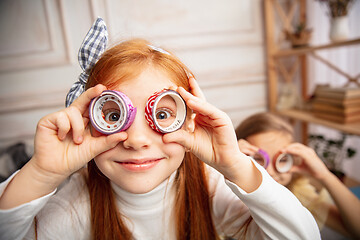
[{"x": 221, "y": 41}]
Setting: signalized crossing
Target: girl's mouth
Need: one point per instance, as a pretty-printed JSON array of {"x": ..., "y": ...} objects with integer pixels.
[{"x": 138, "y": 166}]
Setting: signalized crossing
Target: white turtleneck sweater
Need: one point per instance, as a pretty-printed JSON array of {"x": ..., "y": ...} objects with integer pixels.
[{"x": 276, "y": 212}]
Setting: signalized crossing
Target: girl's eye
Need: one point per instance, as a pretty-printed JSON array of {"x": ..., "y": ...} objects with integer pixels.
[
  {"x": 164, "y": 117},
  {"x": 284, "y": 159},
  {"x": 162, "y": 114},
  {"x": 111, "y": 115}
]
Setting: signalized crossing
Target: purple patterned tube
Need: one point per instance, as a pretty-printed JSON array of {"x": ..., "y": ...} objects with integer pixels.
[
  {"x": 111, "y": 112},
  {"x": 265, "y": 156}
]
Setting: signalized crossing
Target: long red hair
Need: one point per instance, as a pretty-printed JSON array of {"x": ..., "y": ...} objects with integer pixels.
[{"x": 192, "y": 209}]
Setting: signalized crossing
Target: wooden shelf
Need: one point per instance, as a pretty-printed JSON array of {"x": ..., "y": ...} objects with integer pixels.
[
  {"x": 309, "y": 49},
  {"x": 350, "y": 128},
  {"x": 297, "y": 69}
]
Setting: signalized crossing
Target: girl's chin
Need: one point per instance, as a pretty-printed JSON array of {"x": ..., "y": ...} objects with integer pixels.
[{"x": 137, "y": 188}]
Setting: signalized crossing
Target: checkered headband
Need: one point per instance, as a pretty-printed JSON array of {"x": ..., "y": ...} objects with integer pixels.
[{"x": 91, "y": 49}]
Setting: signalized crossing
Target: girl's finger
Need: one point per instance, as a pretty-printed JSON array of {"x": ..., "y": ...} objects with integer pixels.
[
  {"x": 82, "y": 102},
  {"x": 77, "y": 123},
  {"x": 202, "y": 107},
  {"x": 301, "y": 150},
  {"x": 247, "y": 151},
  {"x": 245, "y": 143},
  {"x": 62, "y": 123},
  {"x": 195, "y": 88},
  {"x": 86, "y": 121},
  {"x": 104, "y": 143},
  {"x": 181, "y": 137},
  {"x": 246, "y": 147}
]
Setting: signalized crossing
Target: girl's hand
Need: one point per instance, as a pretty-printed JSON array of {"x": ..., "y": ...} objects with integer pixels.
[
  {"x": 310, "y": 163},
  {"x": 213, "y": 138},
  {"x": 247, "y": 148},
  {"x": 63, "y": 142}
]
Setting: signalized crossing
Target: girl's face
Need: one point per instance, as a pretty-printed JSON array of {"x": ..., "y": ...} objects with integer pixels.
[
  {"x": 143, "y": 160},
  {"x": 272, "y": 142}
]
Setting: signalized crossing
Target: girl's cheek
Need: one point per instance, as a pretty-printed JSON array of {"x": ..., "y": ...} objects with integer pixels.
[{"x": 286, "y": 178}]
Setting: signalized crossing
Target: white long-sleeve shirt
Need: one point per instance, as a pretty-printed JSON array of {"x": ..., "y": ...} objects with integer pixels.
[{"x": 276, "y": 212}]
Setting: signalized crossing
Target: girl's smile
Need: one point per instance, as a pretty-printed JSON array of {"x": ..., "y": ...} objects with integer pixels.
[{"x": 136, "y": 165}]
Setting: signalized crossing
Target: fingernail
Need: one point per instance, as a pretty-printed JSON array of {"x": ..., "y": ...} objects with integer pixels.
[{"x": 79, "y": 139}]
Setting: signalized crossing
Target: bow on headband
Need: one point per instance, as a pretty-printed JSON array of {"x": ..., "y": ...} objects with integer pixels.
[{"x": 91, "y": 49}]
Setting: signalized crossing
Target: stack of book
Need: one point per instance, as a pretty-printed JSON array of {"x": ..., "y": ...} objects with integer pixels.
[{"x": 341, "y": 105}]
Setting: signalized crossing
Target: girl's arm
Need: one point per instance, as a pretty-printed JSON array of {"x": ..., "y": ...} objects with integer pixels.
[
  {"x": 213, "y": 140},
  {"x": 273, "y": 207},
  {"x": 63, "y": 144},
  {"x": 347, "y": 211}
]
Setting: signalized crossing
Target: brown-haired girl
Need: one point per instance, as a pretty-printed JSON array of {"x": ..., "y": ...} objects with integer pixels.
[
  {"x": 143, "y": 182},
  {"x": 271, "y": 136}
]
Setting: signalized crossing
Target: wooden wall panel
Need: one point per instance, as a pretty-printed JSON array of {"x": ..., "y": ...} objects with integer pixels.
[
  {"x": 33, "y": 34},
  {"x": 221, "y": 42}
]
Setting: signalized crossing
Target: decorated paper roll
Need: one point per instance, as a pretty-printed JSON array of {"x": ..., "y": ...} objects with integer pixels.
[
  {"x": 262, "y": 158},
  {"x": 111, "y": 112},
  {"x": 165, "y": 111},
  {"x": 283, "y": 162}
]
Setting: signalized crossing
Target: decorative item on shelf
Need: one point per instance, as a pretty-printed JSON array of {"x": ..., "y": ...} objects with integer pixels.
[
  {"x": 288, "y": 97},
  {"x": 333, "y": 151},
  {"x": 339, "y": 29},
  {"x": 300, "y": 37},
  {"x": 339, "y": 20},
  {"x": 340, "y": 104}
]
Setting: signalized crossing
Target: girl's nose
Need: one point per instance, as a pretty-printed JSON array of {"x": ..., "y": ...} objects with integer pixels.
[{"x": 139, "y": 134}]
